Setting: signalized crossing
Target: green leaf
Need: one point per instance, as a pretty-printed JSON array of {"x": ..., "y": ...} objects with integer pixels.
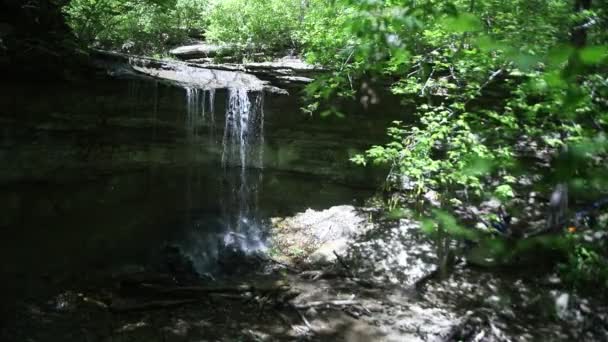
[
  {"x": 594, "y": 54},
  {"x": 555, "y": 80},
  {"x": 428, "y": 226},
  {"x": 326, "y": 113},
  {"x": 463, "y": 23},
  {"x": 504, "y": 192},
  {"x": 558, "y": 55},
  {"x": 487, "y": 44},
  {"x": 478, "y": 166},
  {"x": 526, "y": 61},
  {"x": 400, "y": 56}
]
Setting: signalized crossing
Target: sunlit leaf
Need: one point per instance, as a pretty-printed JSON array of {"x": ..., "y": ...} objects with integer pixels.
[{"x": 400, "y": 56}]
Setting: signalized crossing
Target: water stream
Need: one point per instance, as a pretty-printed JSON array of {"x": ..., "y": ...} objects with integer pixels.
[{"x": 242, "y": 155}]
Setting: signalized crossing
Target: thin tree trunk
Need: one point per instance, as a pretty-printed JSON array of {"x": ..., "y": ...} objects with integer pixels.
[
  {"x": 472, "y": 6},
  {"x": 579, "y": 33}
]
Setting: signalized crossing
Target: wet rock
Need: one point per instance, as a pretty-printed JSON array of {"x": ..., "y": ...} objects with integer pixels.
[
  {"x": 236, "y": 261},
  {"x": 180, "y": 328},
  {"x": 561, "y": 305},
  {"x": 66, "y": 302},
  {"x": 179, "y": 265}
]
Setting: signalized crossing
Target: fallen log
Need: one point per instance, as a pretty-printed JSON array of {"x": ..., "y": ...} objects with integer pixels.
[
  {"x": 196, "y": 291},
  {"x": 317, "y": 274}
]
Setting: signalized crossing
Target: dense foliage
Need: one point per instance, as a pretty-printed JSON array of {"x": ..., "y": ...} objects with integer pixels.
[
  {"x": 136, "y": 25},
  {"x": 255, "y": 25},
  {"x": 150, "y": 26},
  {"x": 510, "y": 100}
]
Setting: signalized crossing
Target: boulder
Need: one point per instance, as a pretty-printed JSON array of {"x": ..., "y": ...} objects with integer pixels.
[
  {"x": 332, "y": 224},
  {"x": 319, "y": 233},
  {"x": 326, "y": 254},
  {"x": 398, "y": 252}
]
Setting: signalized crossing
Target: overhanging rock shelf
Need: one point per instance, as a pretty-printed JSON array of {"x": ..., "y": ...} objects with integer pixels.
[
  {"x": 288, "y": 71},
  {"x": 186, "y": 75}
]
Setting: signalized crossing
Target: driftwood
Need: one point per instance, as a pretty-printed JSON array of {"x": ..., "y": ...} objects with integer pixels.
[
  {"x": 284, "y": 265},
  {"x": 197, "y": 291},
  {"x": 302, "y": 317},
  {"x": 347, "y": 274},
  {"x": 344, "y": 265},
  {"x": 320, "y": 303},
  {"x": 277, "y": 293},
  {"x": 161, "y": 295}
]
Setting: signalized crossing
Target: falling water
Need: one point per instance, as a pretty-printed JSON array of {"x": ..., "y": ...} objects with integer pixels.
[
  {"x": 242, "y": 162},
  {"x": 197, "y": 110},
  {"x": 240, "y": 228},
  {"x": 211, "y": 93},
  {"x": 243, "y": 130}
]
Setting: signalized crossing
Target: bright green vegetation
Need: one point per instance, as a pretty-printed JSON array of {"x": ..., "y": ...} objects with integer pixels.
[
  {"x": 255, "y": 25},
  {"x": 137, "y": 25},
  {"x": 151, "y": 26},
  {"x": 510, "y": 97}
]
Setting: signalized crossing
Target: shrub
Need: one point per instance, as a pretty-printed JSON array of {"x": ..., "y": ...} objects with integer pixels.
[
  {"x": 136, "y": 25},
  {"x": 255, "y": 25}
]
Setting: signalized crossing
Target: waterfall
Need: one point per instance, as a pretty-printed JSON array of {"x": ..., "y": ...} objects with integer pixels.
[
  {"x": 211, "y": 93},
  {"x": 239, "y": 228},
  {"x": 242, "y": 154},
  {"x": 197, "y": 108},
  {"x": 243, "y": 130}
]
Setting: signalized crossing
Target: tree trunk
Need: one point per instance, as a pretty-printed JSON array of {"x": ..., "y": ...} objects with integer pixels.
[{"x": 579, "y": 33}]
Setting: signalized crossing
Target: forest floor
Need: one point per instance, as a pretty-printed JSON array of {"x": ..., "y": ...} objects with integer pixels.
[{"x": 382, "y": 287}]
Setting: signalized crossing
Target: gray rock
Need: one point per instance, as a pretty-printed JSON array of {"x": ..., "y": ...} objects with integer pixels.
[
  {"x": 401, "y": 252},
  {"x": 283, "y": 71},
  {"x": 561, "y": 305},
  {"x": 203, "y": 50},
  {"x": 433, "y": 198},
  {"x": 295, "y": 79},
  {"x": 325, "y": 254},
  {"x": 335, "y": 223},
  {"x": 180, "y": 73}
]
